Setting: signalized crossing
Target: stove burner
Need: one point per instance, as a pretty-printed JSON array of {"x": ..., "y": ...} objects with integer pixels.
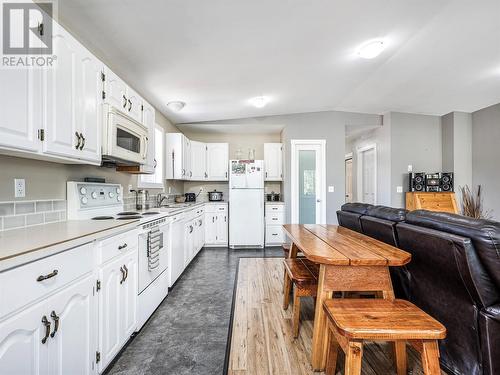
[
  {"x": 103, "y": 218},
  {"x": 151, "y": 213},
  {"x": 129, "y": 217},
  {"x": 128, "y": 213}
]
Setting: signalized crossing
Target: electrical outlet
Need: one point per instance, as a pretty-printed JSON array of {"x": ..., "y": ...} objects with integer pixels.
[
  {"x": 410, "y": 168},
  {"x": 331, "y": 189},
  {"x": 399, "y": 189},
  {"x": 170, "y": 190},
  {"x": 19, "y": 187}
]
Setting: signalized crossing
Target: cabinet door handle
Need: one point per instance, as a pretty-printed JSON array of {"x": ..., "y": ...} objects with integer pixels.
[
  {"x": 124, "y": 102},
  {"x": 83, "y": 141},
  {"x": 129, "y": 105},
  {"x": 46, "y": 323},
  {"x": 226, "y": 174},
  {"x": 54, "y": 316},
  {"x": 155, "y": 163},
  {"x": 77, "y": 146},
  {"x": 213, "y": 219},
  {"x": 123, "y": 275},
  {"x": 126, "y": 272},
  {"x": 121, "y": 247},
  {"x": 225, "y": 219},
  {"x": 45, "y": 277}
]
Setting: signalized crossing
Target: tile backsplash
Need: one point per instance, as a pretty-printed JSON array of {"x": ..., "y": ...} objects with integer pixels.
[{"x": 28, "y": 213}]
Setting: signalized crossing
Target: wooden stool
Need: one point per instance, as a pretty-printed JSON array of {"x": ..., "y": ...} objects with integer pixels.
[
  {"x": 302, "y": 274},
  {"x": 351, "y": 321},
  {"x": 286, "y": 249}
]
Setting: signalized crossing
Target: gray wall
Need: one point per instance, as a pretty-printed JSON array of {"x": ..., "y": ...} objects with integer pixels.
[
  {"x": 415, "y": 140},
  {"x": 486, "y": 155},
  {"x": 47, "y": 180}
]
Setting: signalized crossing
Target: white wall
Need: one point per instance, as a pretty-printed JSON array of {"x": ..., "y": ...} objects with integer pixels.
[{"x": 486, "y": 156}]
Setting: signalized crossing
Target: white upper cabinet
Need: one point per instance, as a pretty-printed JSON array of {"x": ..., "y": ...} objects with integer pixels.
[
  {"x": 273, "y": 161},
  {"x": 175, "y": 164},
  {"x": 115, "y": 90},
  {"x": 72, "y": 110},
  {"x": 134, "y": 105},
  {"x": 20, "y": 112},
  {"x": 217, "y": 161},
  {"x": 187, "y": 171},
  {"x": 198, "y": 161},
  {"x": 148, "y": 119}
]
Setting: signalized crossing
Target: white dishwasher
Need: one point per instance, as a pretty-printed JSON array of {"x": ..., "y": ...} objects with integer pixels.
[{"x": 177, "y": 264}]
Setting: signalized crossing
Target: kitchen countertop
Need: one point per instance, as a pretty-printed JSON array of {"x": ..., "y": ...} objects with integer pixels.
[
  {"x": 24, "y": 245},
  {"x": 19, "y": 246}
]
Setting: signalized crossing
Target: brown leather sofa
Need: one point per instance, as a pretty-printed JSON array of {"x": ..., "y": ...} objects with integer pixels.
[{"x": 454, "y": 275}]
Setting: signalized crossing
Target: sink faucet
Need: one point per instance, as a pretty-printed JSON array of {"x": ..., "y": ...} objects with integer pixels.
[{"x": 160, "y": 198}]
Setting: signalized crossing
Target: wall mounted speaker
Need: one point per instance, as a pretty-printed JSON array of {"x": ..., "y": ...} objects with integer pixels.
[
  {"x": 417, "y": 181},
  {"x": 446, "y": 181}
]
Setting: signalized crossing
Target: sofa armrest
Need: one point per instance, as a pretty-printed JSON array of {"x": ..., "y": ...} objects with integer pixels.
[{"x": 489, "y": 329}]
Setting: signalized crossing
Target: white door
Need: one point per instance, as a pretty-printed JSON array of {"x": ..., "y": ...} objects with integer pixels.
[
  {"x": 367, "y": 174},
  {"x": 348, "y": 180},
  {"x": 198, "y": 161},
  {"x": 273, "y": 160},
  {"x": 186, "y": 159},
  {"x": 221, "y": 230},
  {"x": 128, "y": 296},
  {"x": 308, "y": 181},
  {"x": 62, "y": 136},
  {"x": 115, "y": 90},
  {"x": 210, "y": 228},
  {"x": 134, "y": 105},
  {"x": 89, "y": 105},
  {"x": 21, "y": 349},
  {"x": 217, "y": 161},
  {"x": 20, "y": 111},
  {"x": 72, "y": 345},
  {"x": 148, "y": 119},
  {"x": 110, "y": 311}
]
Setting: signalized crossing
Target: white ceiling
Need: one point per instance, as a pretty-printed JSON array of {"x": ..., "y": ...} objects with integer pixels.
[{"x": 442, "y": 55}]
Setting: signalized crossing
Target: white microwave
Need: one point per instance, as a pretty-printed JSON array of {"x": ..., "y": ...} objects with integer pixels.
[{"x": 124, "y": 139}]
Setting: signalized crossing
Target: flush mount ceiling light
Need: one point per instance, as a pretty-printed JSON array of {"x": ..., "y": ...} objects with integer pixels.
[
  {"x": 176, "y": 106},
  {"x": 260, "y": 101},
  {"x": 371, "y": 49}
]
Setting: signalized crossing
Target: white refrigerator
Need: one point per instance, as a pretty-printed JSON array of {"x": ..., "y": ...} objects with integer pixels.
[{"x": 246, "y": 203}]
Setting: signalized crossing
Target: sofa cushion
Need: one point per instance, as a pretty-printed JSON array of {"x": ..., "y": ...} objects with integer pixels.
[
  {"x": 484, "y": 234},
  {"x": 349, "y": 220},
  {"x": 359, "y": 208},
  {"x": 387, "y": 213}
]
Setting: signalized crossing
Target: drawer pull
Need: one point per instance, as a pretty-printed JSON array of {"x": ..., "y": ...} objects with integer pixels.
[
  {"x": 121, "y": 247},
  {"x": 275, "y": 234},
  {"x": 46, "y": 323},
  {"x": 54, "y": 316},
  {"x": 274, "y": 218},
  {"x": 45, "y": 277}
]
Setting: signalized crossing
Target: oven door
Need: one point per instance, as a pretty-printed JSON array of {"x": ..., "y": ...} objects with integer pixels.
[
  {"x": 127, "y": 140},
  {"x": 152, "y": 256}
]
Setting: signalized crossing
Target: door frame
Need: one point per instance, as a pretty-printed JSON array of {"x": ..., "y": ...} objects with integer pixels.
[
  {"x": 359, "y": 172},
  {"x": 349, "y": 156},
  {"x": 295, "y": 173}
]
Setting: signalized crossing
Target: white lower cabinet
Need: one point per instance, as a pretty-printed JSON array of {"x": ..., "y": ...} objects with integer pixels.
[
  {"x": 54, "y": 336},
  {"x": 216, "y": 224},
  {"x": 275, "y": 218},
  {"x": 117, "y": 305}
]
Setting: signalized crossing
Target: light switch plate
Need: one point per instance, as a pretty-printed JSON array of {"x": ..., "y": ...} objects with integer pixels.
[
  {"x": 410, "y": 168},
  {"x": 399, "y": 189},
  {"x": 19, "y": 187},
  {"x": 331, "y": 189}
]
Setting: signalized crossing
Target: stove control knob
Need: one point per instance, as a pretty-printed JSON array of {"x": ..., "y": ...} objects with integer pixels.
[
  {"x": 111, "y": 194},
  {"x": 84, "y": 200},
  {"x": 117, "y": 190},
  {"x": 94, "y": 195},
  {"x": 83, "y": 191}
]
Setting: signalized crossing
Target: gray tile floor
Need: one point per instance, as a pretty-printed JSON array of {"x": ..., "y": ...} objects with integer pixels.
[{"x": 188, "y": 333}]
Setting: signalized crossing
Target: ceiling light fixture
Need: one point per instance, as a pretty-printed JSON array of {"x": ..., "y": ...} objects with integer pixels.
[
  {"x": 371, "y": 49},
  {"x": 260, "y": 101},
  {"x": 176, "y": 106}
]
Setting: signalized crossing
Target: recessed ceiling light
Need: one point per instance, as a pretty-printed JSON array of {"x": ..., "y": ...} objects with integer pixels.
[
  {"x": 260, "y": 101},
  {"x": 176, "y": 106},
  {"x": 371, "y": 49}
]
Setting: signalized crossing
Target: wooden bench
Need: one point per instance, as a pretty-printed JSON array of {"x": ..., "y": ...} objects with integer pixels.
[
  {"x": 351, "y": 321},
  {"x": 286, "y": 249},
  {"x": 302, "y": 275}
]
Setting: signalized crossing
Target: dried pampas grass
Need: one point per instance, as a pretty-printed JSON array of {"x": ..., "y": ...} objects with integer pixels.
[{"x": 472, "y": 203}]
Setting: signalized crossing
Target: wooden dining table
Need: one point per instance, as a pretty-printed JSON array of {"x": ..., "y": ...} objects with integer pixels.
[{"x": 349, "y": 262}]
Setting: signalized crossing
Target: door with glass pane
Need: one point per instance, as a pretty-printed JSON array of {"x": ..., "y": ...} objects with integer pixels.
[{"x": 308, "y": 182}]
